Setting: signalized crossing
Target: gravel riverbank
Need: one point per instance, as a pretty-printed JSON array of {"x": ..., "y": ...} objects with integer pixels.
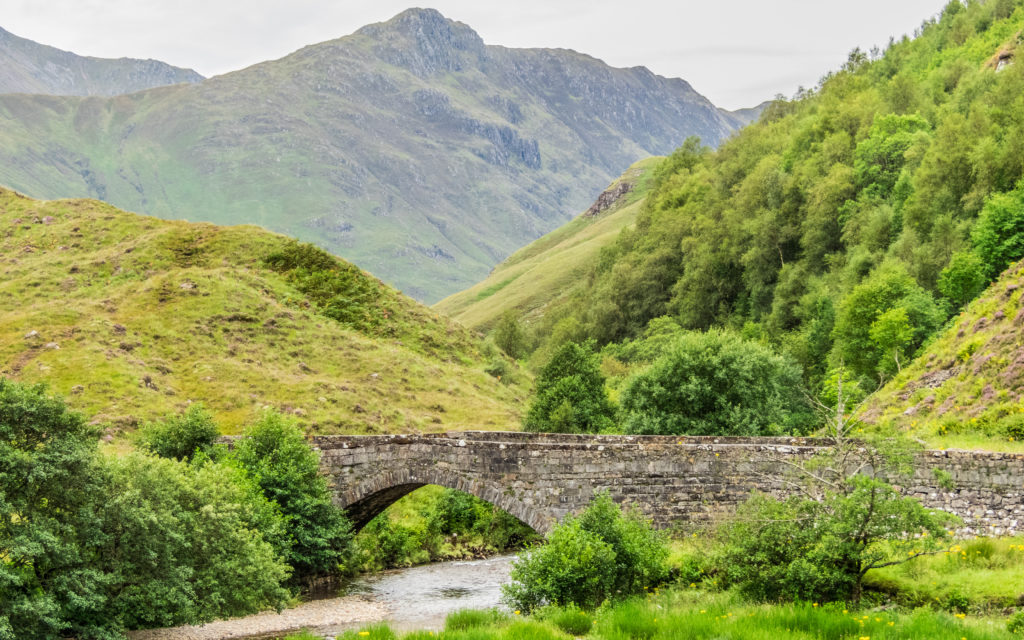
[{"x": 334, "y": 613}]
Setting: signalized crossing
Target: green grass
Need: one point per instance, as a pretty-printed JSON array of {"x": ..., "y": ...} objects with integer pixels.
[
  {"x": 143, "y": 317},
  {"x": 698, "y": 615},
  {"x": 545, "y": 272},
  {"x": 962, "y": 391}
]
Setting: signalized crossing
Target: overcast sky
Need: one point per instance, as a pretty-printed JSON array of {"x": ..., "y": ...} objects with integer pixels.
[{"x": 736, "y": 53}]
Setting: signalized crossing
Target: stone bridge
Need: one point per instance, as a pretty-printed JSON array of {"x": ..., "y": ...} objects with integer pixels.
[{"x": 539, "y": 478}]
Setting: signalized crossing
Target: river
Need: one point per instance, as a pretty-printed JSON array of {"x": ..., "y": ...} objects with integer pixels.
[{"x": 415, "y": 598}]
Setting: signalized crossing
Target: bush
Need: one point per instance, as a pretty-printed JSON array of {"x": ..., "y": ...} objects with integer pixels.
[
  {"x": 1016, "y": 623},
  {"x": 274, "y": 452},
  {"x": 601, "y": 554},
  {"x": 820, "y": 549},
  {"x": 716, "y": 383},
  {"x": 570, "y": 393},
  {"x": 963, "y": 279},
  {"x": 180, "y": 437}
]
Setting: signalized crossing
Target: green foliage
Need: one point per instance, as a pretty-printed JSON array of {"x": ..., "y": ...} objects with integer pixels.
[
  {"x": 715, "y": 383},
  {"x": 601, "y": 554},
  {"x": 886, "y": 290},
  {"x": 89, "y": 547},
  {"x": 570, "y": 619},
  {"x": 819, "y": 544},
  {"x": 999, "y": 234},
  {"x": 510, "y": 336},
  {"x": 189, "y": 546},
  {"x": 340, "y": 290},
  {"x": 275, "y": 453},
  {"x": 570, "y": 396},
  {"x": 1015, "y": 624},
  {"x": 52, "y": 491},
  {"x": 963, "y": 279},
  {"x": 180, "y": 437},
  {"x": 435, "y": 524}
]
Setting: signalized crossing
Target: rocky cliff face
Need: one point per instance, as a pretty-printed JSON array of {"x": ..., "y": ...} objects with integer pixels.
[
  {"x": 410, "y": 147},
  {"x": 30, "y": 67}
]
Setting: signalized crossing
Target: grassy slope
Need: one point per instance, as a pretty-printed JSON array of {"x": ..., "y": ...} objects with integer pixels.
[
  {"x": 968, "y": 385},
  {"x": 546, "y": 270},
  {"x": 136, "y": 317}
]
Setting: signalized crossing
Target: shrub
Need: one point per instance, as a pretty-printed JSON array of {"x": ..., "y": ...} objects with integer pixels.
[
  {"x": 274, "y": 452},
  {"x": 588, "y": 559},
  {"x": 716, "y": 383},
  {"x": 570, "y": 393},
  {"x": 1016, "y": 623},
  {"x": 819, "y": 549},
  {"x": 180, "y": 437},
  {"x": 510, "y": 336},
  {"x": 963, "y": 279}
]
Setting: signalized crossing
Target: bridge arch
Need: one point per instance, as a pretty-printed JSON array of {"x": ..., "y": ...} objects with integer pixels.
[{"x": 367, "y": 499}]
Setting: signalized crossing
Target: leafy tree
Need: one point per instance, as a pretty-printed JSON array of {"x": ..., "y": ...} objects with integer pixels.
[
  {"x": 52, "y": 490},
  {"x": 841, "y": 520},
  {"x": 180, "y": 437},
  {"x": 998, "y": 235},
  {"x": 187, "y": 544},
  {"x": 879, "y": 158},
  {"x": 891, "y": 332},
  {"x": 963, "y": 279},
  {"x": 716, "y": 383},
  {"x": 509, "y": 335},
  {"x": 275, "y": 453},
  {"x": 570, "y": 395},
  {"x": 886, "y": 289},
  {"x": 600, "y": 554}
]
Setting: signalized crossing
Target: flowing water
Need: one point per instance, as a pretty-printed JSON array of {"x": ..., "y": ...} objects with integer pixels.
[{"x": 421, "y": 597}]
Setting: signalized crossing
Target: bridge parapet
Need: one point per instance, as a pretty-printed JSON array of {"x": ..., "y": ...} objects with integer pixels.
[{"x": 540, "y": 478}]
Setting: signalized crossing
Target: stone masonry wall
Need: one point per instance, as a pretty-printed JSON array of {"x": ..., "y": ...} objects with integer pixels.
[{"x": 540, "y": 478}]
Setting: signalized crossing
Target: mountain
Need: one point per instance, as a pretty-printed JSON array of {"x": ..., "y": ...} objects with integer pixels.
[
  {"x": 133, "y": 318},
  {"x": 549, "y": 271},
  {"x": 410, "y": 147},
  {"x": 30, "y": 67},
  {"x": 968, "y": 385}
]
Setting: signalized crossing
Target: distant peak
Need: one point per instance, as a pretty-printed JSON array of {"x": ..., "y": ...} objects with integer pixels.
[{"x": 426, "y": 25}]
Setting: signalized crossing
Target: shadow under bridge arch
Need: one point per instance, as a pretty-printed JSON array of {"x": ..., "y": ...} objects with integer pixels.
[{"x": 369, "y": 498}]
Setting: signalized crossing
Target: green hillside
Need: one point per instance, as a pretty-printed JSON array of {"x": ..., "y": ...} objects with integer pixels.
[
  {"x": 410, "y": 147},
  {"x": 855, "y": 200},
  {"x": 966, "y": 388},
  {"x": 133, "y": 318},
  {"x": 546, "y": 272}
]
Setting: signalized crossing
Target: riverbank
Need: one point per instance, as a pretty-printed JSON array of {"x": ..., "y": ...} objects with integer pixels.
[{"x": 333, "y": 614}]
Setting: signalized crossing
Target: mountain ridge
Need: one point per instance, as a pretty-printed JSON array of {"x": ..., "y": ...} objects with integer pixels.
[{"x": 27, "y": 66}]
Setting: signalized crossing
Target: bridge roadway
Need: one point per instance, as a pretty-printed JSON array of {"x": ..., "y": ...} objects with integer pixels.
[{"x": 539, "y": 478}]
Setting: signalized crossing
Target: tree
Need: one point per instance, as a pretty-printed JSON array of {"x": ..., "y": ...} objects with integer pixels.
[
  {"x": 52, "y": 490},
  {"x": 570, "y": 395},
  {"x": 889, "y": 287},
  {"x": 180, "y": 437},
  {"x": 891, "y": 333},
  {"x": 716, "y": 383},
  {"x": 509, "y": 335},
  {"x": 275, "y": 453},
  {"x": 841, "y": 520},
  {"x": 998, "y": 235},
  {"x": 962, "y": 279},
  {"x": 187, "y": 544}
]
